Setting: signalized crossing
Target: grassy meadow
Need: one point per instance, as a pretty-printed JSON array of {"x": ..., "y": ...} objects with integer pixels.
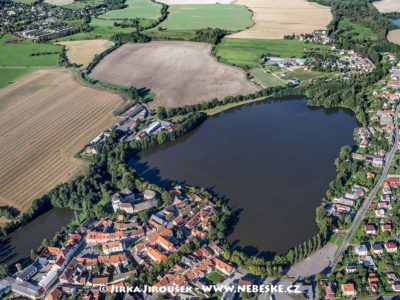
[
  {"x": 247, "y": 52},
  {"x": 9, "y": 75},
  {"x": 83, "y": 4},
  {"x": 18, "y": 52},
  {"x": 303, "y": 75},
  {"x": 356, "y": 30},
  {"x": 102, "y": 28},
  {"x": 142, "y": 9},
  {"x": 192, "y": 17},
  {"x": 266, "y": 79}
]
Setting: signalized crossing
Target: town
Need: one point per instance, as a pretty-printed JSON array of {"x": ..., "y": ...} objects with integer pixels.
[
  {"x": 104, "y": 252},
  {"x": 369, "y": 266},
  {"x": 129, "y": 232}
]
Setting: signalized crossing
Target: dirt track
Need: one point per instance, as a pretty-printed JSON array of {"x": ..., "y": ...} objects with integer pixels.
[
  {"x": 45, "y": 118},
  {"x": 178, "y": 72},
  {"x": 276, "y": 18}
]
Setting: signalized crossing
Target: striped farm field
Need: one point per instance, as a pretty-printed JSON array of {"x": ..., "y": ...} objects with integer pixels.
[
  {"x": 83, "y": 52},
  {"x": 276, "y": 18},
  {"x": 45, "y": 118}
]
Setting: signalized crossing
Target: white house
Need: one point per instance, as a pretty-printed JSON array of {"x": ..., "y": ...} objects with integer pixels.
[{"x": 361, "y": 250}]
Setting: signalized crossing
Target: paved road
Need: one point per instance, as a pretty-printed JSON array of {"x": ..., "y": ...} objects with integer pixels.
[{"x": 363, "y": 209}]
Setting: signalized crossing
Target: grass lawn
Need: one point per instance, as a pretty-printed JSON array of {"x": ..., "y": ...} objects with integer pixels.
[
  {"x": 358, "y": 31},
  {"x": 304, "y": 75},
  {"x": 247, "y": 52},
  {"x": 225, "y": 16},
  {"x": 143, "y": 9},
  {"x": 215, "y": 277},
  {"x": 18, "y": 52},
  {"x": 9, "y": 75},
  {"x": 337, "y": 238},
  {"x": 101, "y": 29},
  {"x": 218, "y": 109},
  {"x": 266, "y": 79},
  {"x": 83, "y": 4},
  {"x": 171, "y": 34},
  {"x": 25, "y": 1}
]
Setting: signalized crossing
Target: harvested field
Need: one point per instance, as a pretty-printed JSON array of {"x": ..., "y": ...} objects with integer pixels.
[
  {"x": 276, "y": 18},
  {"x": 394, "y": 36},
  {"x": 45, "y": 118},
  {"x": 386, "y": 6},
  {"x": 178, "y": 73},
  {"x": 83, "y": 52},
  {"x": 59, "y": 2}
]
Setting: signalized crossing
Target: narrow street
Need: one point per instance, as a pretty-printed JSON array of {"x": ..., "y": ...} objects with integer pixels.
[{"x": 363, "y": 209}]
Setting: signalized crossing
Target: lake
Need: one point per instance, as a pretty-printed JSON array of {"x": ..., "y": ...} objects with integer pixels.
[
  {"x": 396, "y": 21},
  {"x": 18, "y": 244},
  {"x": 272, "y": 160}
]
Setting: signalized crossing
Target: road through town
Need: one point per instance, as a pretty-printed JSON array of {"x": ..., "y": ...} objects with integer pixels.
[{"x": 363, "y": 209}]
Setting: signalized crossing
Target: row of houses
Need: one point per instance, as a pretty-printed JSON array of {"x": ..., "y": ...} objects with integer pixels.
[
  {"x": 35, "y": 281},
  {"x": 347, "y": 203}
]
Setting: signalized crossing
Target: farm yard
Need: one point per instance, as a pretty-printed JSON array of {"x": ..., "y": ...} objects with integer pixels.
[
  {"x": 192, "y": 17},
  {"x": 83, "y": 52},
  {"x": 169, "y": 70},
  {"x": 386, "y": 6},
  {"x": 247, "y": 52},
  {"x": 45, "y": 118},
  {"x": 276, "y": 18}
]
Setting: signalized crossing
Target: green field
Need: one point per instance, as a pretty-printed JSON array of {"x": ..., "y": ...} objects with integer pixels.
[
  {"x": 83, "y": 4},
  {"x": 247, "y": 52},
  {"x": 266, "y": 79},
  {"x": 9, "y": 75},
  {"x": 356, "y": 30},
  {"x": 103, "y": 26},
  {"x": 303, "y": 75},
  {"x": 192, "y": 17},
  {"x": 215, "y": 277},
  {"x": 101, "y": 29},
  {"x": 142, "y": 9},
  {"x": 25, "y": 1},
  {"x": 18, "y": 52}
]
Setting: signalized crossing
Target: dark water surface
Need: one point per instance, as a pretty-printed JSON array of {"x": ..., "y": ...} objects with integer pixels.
[
  {"x": 18, "y": 244},
  {"x": 272, "y": 160},
  {"x": 396, "y": 21}
]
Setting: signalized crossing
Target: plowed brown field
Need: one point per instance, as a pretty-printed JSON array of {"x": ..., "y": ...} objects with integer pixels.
[
  {"x": 178, "y": 73},
  {"x": 44, "y": 119}
]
